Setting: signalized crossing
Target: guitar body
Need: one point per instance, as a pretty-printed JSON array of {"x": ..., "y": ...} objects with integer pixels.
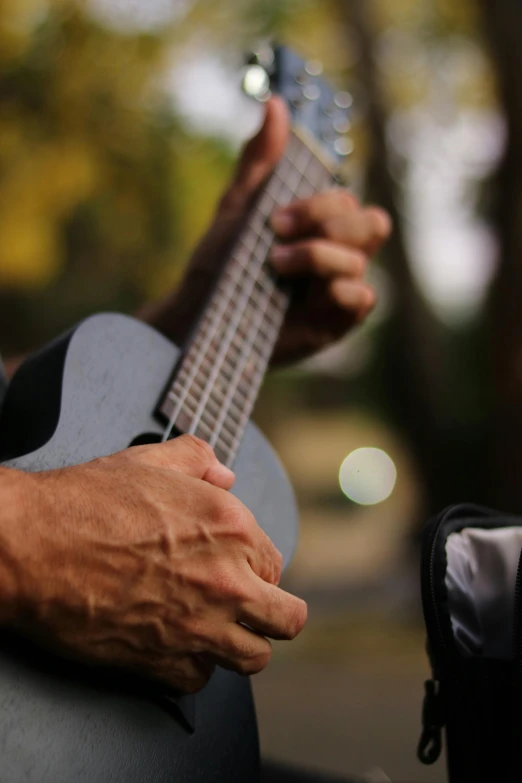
[{"x": 91, "y": 393}]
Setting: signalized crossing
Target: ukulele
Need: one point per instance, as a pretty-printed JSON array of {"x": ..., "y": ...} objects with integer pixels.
[{"x": 113, "y": 382}]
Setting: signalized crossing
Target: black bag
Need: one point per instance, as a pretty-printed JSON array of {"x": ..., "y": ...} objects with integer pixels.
[{"x": 471, "y": 591}]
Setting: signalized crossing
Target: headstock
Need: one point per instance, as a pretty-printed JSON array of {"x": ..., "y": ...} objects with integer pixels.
[{"x": 315, "y": 107}]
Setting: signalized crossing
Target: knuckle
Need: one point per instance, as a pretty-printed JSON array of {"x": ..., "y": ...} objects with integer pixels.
[
  {"x": 196, "y": 633},
  {"x": 200, "y": 447},
  {"x": 331, "y": 226},
  {"x": 314, "y": 255},
  {"x": 347, "y": 199},
  {"x": 226, "y": 584},
  {"x": 237, "y": 519}
]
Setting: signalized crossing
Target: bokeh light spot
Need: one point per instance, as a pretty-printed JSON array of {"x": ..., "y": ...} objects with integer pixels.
[{"x": 367, "y": 476}]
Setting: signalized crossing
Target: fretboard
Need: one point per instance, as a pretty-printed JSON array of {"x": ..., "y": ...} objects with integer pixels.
[{"x": 219, "y": 378}]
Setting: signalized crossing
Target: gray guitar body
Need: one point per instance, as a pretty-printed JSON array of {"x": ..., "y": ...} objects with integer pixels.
[{"x": 91, "y": 393}]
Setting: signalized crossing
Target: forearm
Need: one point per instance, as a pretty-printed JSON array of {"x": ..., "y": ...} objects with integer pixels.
[{"x": 16, "y": 522}]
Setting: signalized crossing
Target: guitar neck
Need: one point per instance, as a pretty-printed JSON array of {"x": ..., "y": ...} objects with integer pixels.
[{"x": 220, "y": 376}]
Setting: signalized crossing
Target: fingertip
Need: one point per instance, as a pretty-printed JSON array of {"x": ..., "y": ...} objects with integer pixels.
[
  {"x": 383, "y": 222},
  {"x": 370, "y": 298},
  {"x": 229, "y": 477},
  {"x": 221, "y": 476},
  {"x": 277, "y": 106}
]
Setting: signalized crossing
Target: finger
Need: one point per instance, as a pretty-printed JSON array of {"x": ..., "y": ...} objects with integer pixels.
[
  {"x": 191, "y": 456},
  {"x": 242, "y": 650},
  {"x": 333, "y": 215},
  {"x": 259, "y": 156},
  {"x": 264, "y": 559},
  {"x": 186, "y": 673},
  {"x": 320, "y": 257},
  {"x": 274, "y": 612},
  {"x": 353, "y": 296}
]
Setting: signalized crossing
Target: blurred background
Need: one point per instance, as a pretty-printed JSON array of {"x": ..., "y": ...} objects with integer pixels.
[{"x": 120, "y": 121}]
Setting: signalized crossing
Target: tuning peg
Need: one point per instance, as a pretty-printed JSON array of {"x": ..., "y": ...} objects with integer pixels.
[
  {"x": 341, "y": 124},
  {"x": 343, "y": 100},
  {"x": 312, "y": 92},
  {"x": 302, "y": 77},
  {"x": 297, "y": 103},
  {"x": 344, "y": 146},
  {"x": 314, "y": 68}
]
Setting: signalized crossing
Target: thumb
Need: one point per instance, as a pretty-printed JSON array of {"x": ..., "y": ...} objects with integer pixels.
[
  {"x": 193, "y": 457},
  {"x": 260, "y": 155}
]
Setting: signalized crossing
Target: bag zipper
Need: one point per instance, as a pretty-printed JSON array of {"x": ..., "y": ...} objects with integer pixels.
[
  {"x": 430, "y": 743},
  {"x": 517, "y": 678}
]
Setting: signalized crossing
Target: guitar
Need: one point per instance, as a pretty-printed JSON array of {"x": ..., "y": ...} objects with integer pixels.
[{"x": 112, "y": 382}]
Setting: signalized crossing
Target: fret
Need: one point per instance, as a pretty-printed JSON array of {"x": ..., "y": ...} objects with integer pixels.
[
  {"x": 229, "y": 369},
  {"x": 258, "y": 244},
  {"x": 268, "y": 331},
  {"x": 244, "y": 419},
  {"x": 208, "y": 425},
  {"x": 239, "y": 373},
  {"x": 216, "y": 387},
  {"x": 249, "y": 404},
  {"x": 228, "y": 437},
  {"x": 213, "y": 406}
]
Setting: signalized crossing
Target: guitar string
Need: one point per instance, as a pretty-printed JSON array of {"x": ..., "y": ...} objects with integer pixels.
[
  {"x": 255, "y": 327},
  {"x": 276, "y": 313},
  {"x": 237, "y": 405},
  {"x": 245, "y": 241},
  {"x": 221, "y": 431},
  {"x": 250, "y": 343},
  {"x": 250, "y": 399},
  {"x": 258, "y": 375},
  {"x": 263, "y": 242},
  {"x": 230, "y": 330},
  {"x": 220, "y": 304}
]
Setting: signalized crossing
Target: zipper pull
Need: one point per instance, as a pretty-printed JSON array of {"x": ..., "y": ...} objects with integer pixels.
[{"x": 430, "y": 745}]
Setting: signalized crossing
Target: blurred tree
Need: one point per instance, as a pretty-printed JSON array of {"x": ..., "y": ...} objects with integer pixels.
[
  {"x": 503, "y": 28},
  {"x": 410, "y": 370},
  {"x": 93, "y": 165}
]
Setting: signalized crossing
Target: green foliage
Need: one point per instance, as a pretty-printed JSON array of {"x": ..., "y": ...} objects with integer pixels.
[{"x": 94, "y": 170}]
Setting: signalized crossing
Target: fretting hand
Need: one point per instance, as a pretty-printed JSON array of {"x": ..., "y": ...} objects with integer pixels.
[{"x": 324, "y": 241}]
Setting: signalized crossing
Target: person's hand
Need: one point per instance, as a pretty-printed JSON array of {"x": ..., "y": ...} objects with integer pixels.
[
  {"x": 324, "y": 243},
  {"x": 144, "y": 560}
]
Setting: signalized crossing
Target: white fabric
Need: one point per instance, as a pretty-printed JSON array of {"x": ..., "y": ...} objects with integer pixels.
[{"x": 480, "y": 579}]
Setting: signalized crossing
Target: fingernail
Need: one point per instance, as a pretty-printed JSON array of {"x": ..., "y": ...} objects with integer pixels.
[
  {"x": 280, "y": 256},
  {"x": 283, "y": 222}
]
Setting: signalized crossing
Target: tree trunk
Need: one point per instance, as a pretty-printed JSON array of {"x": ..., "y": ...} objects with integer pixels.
[{"x": 503, "y": 28}]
